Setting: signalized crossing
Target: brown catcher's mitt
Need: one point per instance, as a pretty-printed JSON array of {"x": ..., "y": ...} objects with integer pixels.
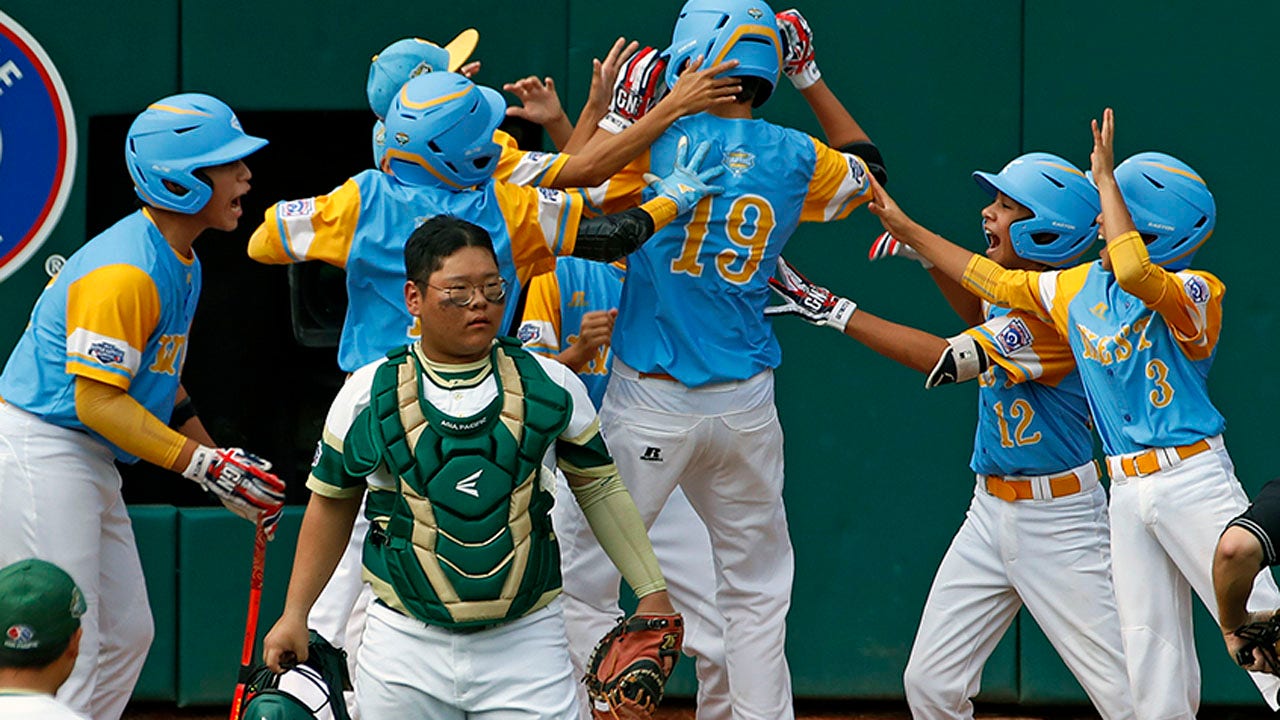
[{"x": 630, "y": 666}]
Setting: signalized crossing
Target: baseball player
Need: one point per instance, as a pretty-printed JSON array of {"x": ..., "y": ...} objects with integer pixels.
[
  {"x": 461, "y": 553},
  {"x": 1243, "y": 551},
  {"x": 40, "y": 610},
  {"x": 1143, "y": 329},
  {"x": 584, "y": 295},
  {"x": 1036, "y": 531},
  {"x": 435, "y": 172},
  {"x": 96, "y": 378},
  {"x": 690, "y": 399}
]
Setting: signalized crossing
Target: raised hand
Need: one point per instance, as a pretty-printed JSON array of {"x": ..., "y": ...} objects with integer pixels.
[
  {"x": 798, "y": 61},
  {"x": 538, "y": 98},
  {"x": 891, "y": 216},
  {"x": 1102, "y": 160},
  {"x": 697, "y": 89}
]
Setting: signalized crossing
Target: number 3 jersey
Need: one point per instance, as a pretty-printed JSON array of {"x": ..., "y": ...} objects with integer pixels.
[
  {"x": 1146, "y": 381},
  {"x": 693, "y": 303},
  {"x": 1033, "y": 418},
  {"x": 118, "y": 312}
]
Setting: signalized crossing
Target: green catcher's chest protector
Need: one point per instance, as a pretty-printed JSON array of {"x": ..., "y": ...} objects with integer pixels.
[{"x": 465, "y": 541}]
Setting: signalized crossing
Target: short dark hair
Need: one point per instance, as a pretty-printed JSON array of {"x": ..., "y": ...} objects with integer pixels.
[
  {"x": 755, "y": 89},
  {"x": 439, "y": 238}
]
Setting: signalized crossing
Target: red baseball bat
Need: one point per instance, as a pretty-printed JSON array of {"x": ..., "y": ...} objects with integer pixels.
[{"x": 251, "y": 621}]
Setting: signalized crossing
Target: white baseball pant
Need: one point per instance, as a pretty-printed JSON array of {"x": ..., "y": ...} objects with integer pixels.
[
  {"x": 516, "y": 671},
  {"x": 723, "y": 445},
  {"x": 591, "y": 585},
  {"x": 1051, "y": 555},
  {"x": 60, "y": 501},
  {"x": 1164, "y": 528}
]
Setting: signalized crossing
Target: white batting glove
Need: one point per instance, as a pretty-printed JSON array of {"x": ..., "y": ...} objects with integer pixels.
[
  {"x": 798, "y": 61},
  {"x": 814, "y": 304},
  {"x": 886, "y": 245},
  {"x": 241, "y": 481},
  {"x": 640, "y": 85}
]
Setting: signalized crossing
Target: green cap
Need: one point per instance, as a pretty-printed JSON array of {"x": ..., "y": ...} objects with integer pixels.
[{"x": 40, "y": 609}]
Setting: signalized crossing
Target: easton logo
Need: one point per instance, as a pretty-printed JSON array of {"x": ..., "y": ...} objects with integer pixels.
[
  {"x": 38, "y": 129},
  {"x": 106, "y": 353},
  {"x": 467, "y": 485},
  {"x": 652, "y": 454}
]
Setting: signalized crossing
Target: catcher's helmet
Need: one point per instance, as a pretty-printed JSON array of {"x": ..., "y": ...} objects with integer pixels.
[
  {"x": 314, "y": 685},
  {"x": 406, "y": 59},
  {"x": 1064, "y": 204},
  {"x": 720, "y": 30},
  {"x": 440, "y": 131},
  {"x": 176, "y": 136},
  {"x": 1170, "y": 204}
]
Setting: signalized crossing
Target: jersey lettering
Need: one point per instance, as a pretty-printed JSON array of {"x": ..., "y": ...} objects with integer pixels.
[
  {"x": 1021, "y": 411},
  {"x": 168, "y": 354}
]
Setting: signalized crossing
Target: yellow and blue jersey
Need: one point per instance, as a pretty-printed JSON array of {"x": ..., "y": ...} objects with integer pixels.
[
  {"x": 1033, "y": 417},
  {"x": 556, "y": 304},
  {"x": 1146, "y": 381},
  {"x": 363, "y": 225},
  {"x": 693, "y": 303},
  {"x": 118, "y": 312}
]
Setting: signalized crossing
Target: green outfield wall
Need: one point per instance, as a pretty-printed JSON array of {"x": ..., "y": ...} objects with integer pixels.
[{"x": 877, "y": 481}]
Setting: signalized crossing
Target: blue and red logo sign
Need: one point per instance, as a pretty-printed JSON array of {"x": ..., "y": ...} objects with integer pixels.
[{"x": 37, "y": 146}]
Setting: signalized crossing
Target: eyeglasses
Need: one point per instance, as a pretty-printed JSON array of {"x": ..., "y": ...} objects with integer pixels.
[{"x": 494, "y": 291}]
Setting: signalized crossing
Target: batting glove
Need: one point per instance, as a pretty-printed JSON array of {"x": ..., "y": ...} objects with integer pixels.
[
  {"x": 684, "y": 184},
  {"x": 640, "y": 85},
  {"x": 798, "y": 62},
  {"x": 886, "y": 245},
  {"x": 241, "y": 481},
  {"x": 812, "y": 303}
]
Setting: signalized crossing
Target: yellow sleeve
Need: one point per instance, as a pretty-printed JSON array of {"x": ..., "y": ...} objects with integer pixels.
[
  {"x": 540, "y": 327},
  {"x": 122, "y": 420},
  {"x": 542, "y": 223},
  {"x": 623, "y": 191},
  {"x": 520, "y": 167},
  {"x": 1190, "y": 302},
  {"x": 317, "y": 228},
  {"x": 1027, "y": 347},
  {"x": 111, "y": 312},
  {"x": 839, "y": 184},
  {"x": 1017, "y": 289}
]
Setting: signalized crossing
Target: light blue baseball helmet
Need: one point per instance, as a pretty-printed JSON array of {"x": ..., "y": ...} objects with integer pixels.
[
  {"x": 406, "y": 59},
  {"x": 379, "y": 142},
  {"x": 1170, "y": 204},
  {"x": 1064, "y": 204},
  {"x": 176, "y": 136},
  {"x": 720, "y": 30},
  {"x": 439, "y": 131}
]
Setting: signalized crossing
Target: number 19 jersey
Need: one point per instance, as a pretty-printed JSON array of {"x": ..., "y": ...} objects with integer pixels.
[{"x": 693, "y": 303}]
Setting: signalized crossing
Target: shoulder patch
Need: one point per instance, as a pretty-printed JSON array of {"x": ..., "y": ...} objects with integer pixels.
[
  {"x": 106, "y": 353},
  {"x": 1015, "y": 336},
  {"x": 1197, "y": 289},
  {"x": 528, "y": 332},
  {"x": 298, "y": 208}
]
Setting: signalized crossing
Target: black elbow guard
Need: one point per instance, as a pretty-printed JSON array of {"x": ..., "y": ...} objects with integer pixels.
[
  {"x": 612, "y": 237},
  {"x": 870, "y": 155}
]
